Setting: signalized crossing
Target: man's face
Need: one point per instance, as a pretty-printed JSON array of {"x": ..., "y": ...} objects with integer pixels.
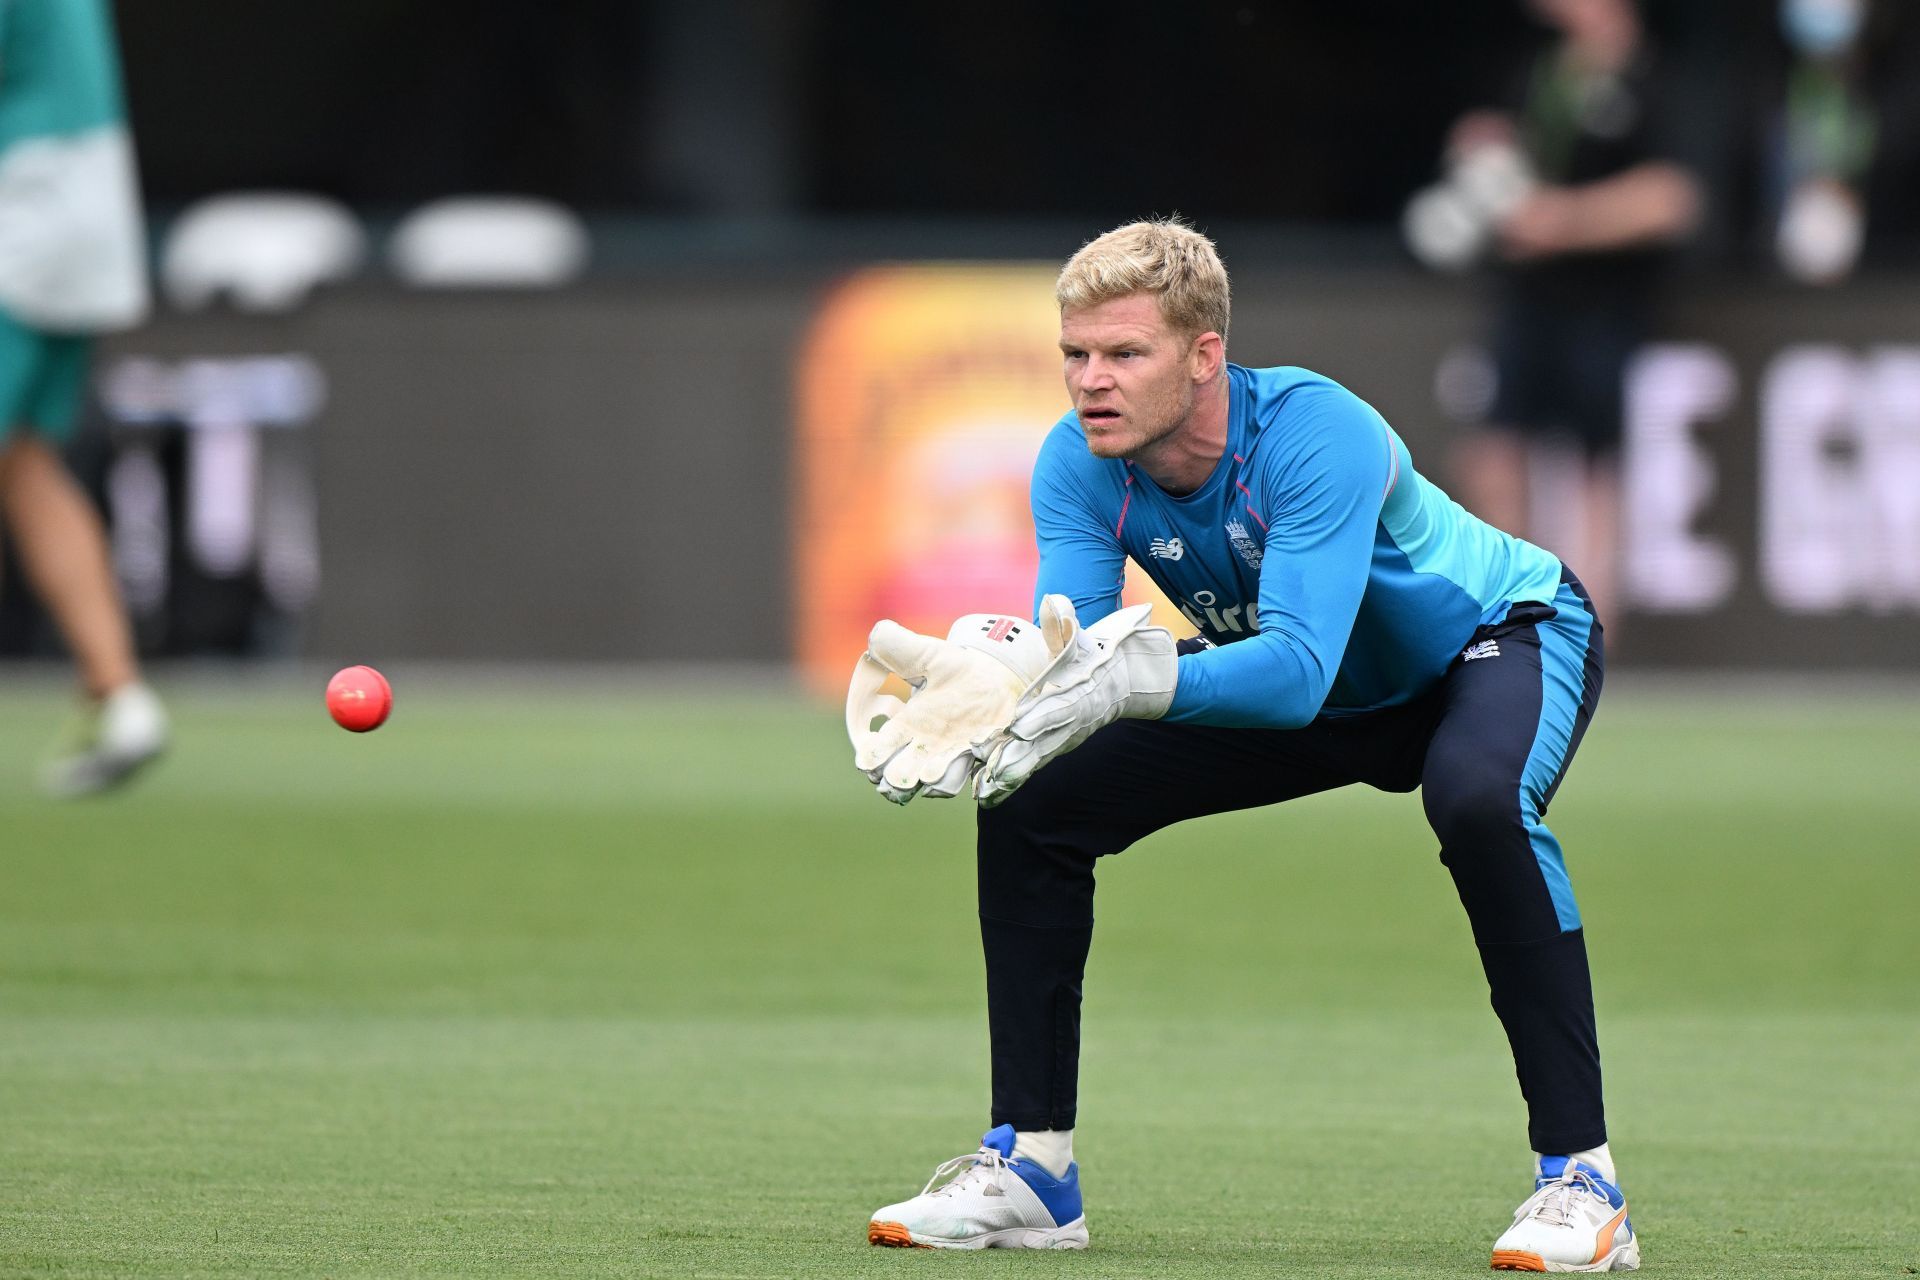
[{"x": 1127, "y": 373}]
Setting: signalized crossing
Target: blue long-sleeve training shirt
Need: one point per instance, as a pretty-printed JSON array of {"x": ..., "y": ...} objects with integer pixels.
[{"x": 1333, "y": 576}]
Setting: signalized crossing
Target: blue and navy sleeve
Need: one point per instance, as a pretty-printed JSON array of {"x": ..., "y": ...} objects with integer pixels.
[
  {"x": 1319, "y": 496},
  {"x": 1080, "y": 555}
]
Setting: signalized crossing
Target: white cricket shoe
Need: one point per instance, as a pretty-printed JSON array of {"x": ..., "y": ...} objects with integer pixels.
[
  {"x": 989, "y": 1201},
  {"x": 126, "y": 731},
  {"x": 1574, "y": 1221}
]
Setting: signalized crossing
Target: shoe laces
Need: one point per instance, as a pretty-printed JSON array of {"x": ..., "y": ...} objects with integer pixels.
[
  {"x": 1554, "y": 1204},
  {"x": 966, "y": 1170}
]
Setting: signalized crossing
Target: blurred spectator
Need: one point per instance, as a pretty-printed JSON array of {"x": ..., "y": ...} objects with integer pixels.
[
  {"x": 1823, "y": 142},
  {"x": 71, "y": 265},
  {"x": 1585, "y": 195}
]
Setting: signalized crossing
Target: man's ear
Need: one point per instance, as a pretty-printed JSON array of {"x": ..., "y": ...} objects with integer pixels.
[{"x": 1207, "y": 356}]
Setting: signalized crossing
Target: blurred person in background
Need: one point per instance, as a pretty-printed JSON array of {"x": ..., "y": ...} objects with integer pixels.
[
  {"x": 71, "y": 265},
  {"x": 1822, "y": 144},
  {"x": 1592, "y": 198}
]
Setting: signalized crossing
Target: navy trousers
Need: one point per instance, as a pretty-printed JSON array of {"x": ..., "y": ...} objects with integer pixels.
[{"x": 1487, "y": 747}]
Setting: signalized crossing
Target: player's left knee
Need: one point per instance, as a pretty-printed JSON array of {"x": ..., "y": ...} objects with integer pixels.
[{"x": 1472, "y": 804}]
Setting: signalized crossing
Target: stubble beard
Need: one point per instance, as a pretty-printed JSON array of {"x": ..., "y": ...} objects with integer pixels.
[{"x": 1145, "y": 441}]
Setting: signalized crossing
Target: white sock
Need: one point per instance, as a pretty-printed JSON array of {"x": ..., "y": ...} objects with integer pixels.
[
  {"x": 1051, "y": 1149},
  {"x": 1598, "y": 1158}
]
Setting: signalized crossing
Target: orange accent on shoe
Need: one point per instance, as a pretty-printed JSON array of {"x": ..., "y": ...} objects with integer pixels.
[
  {"x": 893, "y": 1235},
  {"x": 1603, "y": 1242},
  {"x": 1517, "y": 1260}
]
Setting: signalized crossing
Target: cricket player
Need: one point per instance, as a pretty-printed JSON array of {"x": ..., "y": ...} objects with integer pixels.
[
  {"x": 1356, "y": 626},
  {"x": 71, "y": 265}
]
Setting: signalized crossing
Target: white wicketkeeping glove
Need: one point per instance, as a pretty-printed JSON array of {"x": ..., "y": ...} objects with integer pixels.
[
  {"x": 964, "y": 691},
  {"x": 1118, "y": 667}
]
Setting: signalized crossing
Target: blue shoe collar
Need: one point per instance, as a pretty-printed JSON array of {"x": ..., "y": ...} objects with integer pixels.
[{"x": 1554, "y": 1168}]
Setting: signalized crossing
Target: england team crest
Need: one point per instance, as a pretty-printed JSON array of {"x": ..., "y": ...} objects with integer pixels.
[{"x": 1244, "y": 543}]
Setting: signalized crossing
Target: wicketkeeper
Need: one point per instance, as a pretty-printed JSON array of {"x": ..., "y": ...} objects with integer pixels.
[{"x": 1356, "y": 626}]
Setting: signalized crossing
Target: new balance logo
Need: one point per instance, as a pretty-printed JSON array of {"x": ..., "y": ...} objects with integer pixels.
[
  {"x": 1166, "y": 548},
  {"x": 1485, "y": 649}
]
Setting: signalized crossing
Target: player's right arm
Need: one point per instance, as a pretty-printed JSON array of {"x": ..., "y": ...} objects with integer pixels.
[
  {"x": 1080, "y": 553},
  {"x": 1116, "y": 665}
]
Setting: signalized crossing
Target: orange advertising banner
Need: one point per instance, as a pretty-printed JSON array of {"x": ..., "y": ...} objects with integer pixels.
[{"x": 924, "y": 395}]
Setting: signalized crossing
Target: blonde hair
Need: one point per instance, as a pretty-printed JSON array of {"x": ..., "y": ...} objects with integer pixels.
[{"x": 1162, "y": 256}]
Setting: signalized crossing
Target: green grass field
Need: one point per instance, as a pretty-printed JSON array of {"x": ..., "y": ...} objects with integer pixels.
[{"x": 582, "y": 982}]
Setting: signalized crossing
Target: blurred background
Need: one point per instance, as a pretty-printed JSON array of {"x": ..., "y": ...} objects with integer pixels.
[{"x": 629, "y": 331}]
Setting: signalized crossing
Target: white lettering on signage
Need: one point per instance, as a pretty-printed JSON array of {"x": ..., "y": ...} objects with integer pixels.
[
  {"x": 1840, "y": 479},
  {"x": 1838, "y": 510},
  {"x": 1671, "y": 392}
]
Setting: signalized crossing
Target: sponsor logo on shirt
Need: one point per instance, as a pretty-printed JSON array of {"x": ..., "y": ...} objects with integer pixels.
[
  {"x": 1243, "y": 542},
  {"x": 1205, "y": 611},
  {"x": 1485, "y": 649},
  {"x": 1166, "y": 548}
]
